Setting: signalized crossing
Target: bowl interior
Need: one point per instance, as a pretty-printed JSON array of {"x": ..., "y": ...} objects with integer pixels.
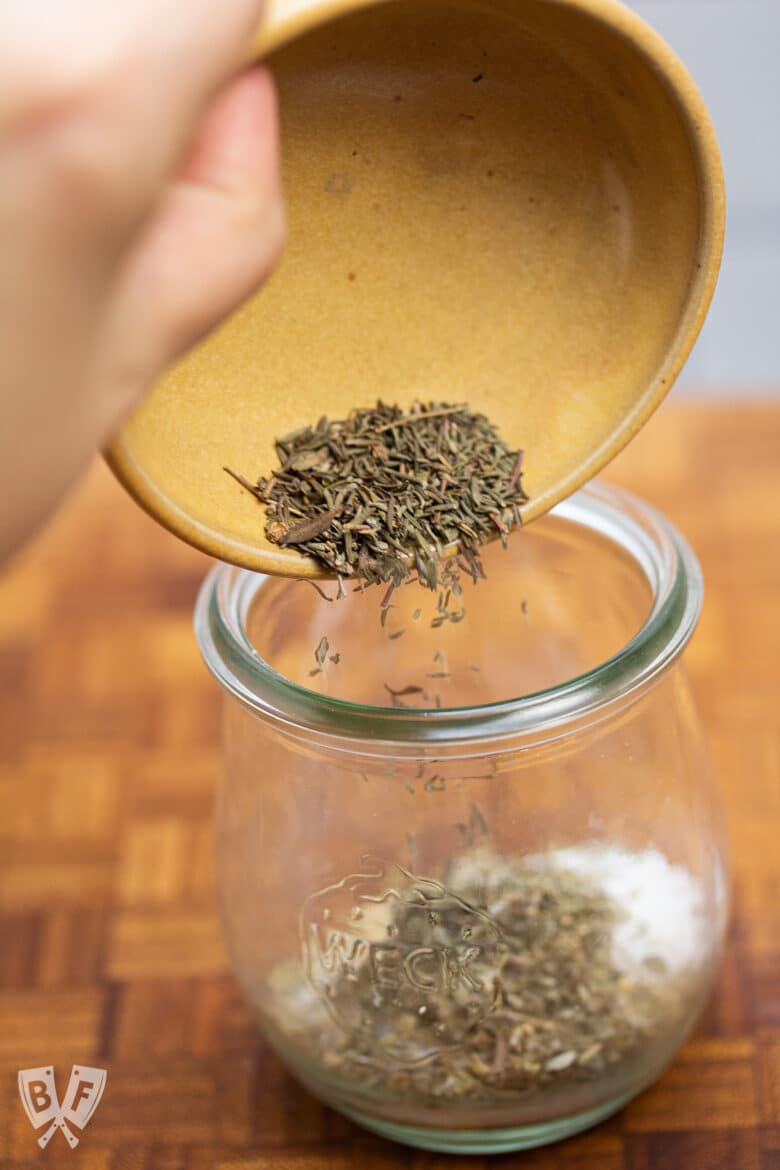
[{"x": 501, "y": 203}]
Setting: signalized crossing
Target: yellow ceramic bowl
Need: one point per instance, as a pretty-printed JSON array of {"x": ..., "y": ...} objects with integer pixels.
[{"x": 513, "y": 203}]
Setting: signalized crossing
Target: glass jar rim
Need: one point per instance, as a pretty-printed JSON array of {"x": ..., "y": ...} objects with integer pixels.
[{"x": 653, "y": 543}]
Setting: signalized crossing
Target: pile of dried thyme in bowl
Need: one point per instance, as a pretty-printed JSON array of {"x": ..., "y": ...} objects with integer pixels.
[{"x": 384, "y": 493}]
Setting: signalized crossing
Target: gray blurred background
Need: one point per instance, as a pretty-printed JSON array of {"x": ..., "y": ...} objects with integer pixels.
[{"x": 732, "y": 48}]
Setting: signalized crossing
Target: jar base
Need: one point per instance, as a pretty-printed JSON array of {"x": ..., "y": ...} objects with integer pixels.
[{"x": 487, "y": 1141}]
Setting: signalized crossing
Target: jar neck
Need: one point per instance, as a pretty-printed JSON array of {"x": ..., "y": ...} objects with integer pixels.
[{"x": 647, "y": 539}]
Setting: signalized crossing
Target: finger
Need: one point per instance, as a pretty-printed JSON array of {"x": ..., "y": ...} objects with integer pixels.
[
  {"x": 49, "y": 67},
  {"x": 106, "y": 98},
  {"x": 215, "y": 238}
]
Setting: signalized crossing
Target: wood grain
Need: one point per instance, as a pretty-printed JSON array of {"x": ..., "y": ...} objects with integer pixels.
[{"x": 110, "y": 951}]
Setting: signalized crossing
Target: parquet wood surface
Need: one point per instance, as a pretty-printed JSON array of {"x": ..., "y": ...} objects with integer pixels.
[{"x": 110, "y": 949}]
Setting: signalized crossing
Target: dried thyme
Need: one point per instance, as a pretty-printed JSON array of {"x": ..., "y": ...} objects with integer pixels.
[
  {"x": 553, "y": 999},
  {"x": 382, "y": 494}
]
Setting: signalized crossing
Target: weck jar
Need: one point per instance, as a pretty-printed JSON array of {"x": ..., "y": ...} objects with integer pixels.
[{"x": 472, "y": 873}]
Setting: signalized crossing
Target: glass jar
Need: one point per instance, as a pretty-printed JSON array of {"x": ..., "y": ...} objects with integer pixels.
[{"x": 472, "y": 871}]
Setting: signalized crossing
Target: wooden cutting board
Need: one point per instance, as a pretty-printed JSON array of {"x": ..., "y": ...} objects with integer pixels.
[{"x": 110, "y": 948}]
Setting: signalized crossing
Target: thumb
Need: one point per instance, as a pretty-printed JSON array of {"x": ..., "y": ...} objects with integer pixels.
[{"x": 214, "y": 238}]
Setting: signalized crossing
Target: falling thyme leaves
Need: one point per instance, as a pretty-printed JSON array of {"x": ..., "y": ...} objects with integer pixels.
[
  {"x": 394, "y": 497},
  {"x": 382, "y": 494}
]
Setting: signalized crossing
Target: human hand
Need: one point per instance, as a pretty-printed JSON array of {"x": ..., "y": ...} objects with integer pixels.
[{"x": 139, "y": 204}]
